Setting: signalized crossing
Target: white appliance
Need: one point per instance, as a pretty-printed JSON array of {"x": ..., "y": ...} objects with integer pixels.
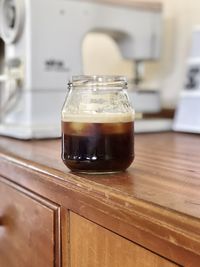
[
  {"x": 187, "y": 118},
  {"x": 43, "y": 40}
]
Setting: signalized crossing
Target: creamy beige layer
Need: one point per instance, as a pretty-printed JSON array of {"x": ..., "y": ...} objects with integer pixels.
[{"x": 99, "y": 118}]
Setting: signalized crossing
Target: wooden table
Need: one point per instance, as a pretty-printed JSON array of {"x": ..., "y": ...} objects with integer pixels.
[{"x": 147, "y": 216}]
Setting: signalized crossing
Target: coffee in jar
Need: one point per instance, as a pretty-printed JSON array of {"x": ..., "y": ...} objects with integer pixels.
[{"x": 106, "y": 145}]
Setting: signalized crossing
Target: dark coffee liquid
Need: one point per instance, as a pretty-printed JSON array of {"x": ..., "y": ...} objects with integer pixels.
[{"x": 94, "y": 147}]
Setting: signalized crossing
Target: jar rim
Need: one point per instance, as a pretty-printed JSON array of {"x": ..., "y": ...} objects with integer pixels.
[{"x": 98, "y": 81}]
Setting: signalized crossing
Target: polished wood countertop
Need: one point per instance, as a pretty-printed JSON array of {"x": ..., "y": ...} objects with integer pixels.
[{"x": 159, "y": 195}]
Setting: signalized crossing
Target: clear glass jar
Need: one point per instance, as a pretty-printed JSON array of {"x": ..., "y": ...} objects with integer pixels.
[{"x": 97, "y": 125}]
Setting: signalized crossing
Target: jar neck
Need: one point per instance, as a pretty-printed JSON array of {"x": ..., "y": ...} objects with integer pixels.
[{"x": 98, "y": 82}]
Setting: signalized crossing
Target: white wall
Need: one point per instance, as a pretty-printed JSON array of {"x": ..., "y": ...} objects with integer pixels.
[
  {"x": 180, "y": 16},
  {"x": 101, "y": 55}
]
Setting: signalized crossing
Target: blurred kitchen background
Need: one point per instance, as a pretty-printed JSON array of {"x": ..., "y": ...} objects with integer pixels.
[
  {"x": 169, "y": 73},
  {"x": 38, "y": 54}
]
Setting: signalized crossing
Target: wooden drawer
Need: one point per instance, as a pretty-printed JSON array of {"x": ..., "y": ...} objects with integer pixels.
[
  {"x": 92, "y": 245},
  {"x": 29, "y": 229}
]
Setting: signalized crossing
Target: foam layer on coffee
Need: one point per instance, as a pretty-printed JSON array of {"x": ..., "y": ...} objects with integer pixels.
[
  {"x": 99, "y": 118},
  {"x": 96, "y": 125}
]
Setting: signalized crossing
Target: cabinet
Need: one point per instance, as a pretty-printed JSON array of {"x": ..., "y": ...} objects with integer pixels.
[
  {"x": 27, "y": 231},
  {"x": 29, "y": 235},
  {"x": 92, "y": 245}
]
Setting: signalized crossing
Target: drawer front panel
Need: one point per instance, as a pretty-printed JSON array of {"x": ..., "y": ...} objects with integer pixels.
[
  {"x": 28, "y": 229},
  {"x": 92, "y": 245}
]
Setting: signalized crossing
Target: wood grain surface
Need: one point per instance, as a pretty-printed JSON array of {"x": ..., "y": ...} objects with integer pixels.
[
  {"x": 27, "y": 236},
  {"x": 156, "y": 203},
  {"x": 92, "y": 245}
]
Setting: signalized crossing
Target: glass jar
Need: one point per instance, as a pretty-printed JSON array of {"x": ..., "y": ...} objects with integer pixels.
[{"x": 97, "y": 125}]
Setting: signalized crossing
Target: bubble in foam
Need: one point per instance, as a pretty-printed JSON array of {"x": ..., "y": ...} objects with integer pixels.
[{"x": 99, "y": 118}]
